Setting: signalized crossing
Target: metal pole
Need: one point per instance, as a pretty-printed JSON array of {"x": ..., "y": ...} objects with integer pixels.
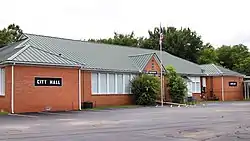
[
  {"x": 245, "y": 90},
  {"x": 161, "y": 74}
]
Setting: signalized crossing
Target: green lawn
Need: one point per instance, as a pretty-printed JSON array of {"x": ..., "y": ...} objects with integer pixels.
[
  {"x": 114, "y": 107},
  {"x": 3, "y": 113}
]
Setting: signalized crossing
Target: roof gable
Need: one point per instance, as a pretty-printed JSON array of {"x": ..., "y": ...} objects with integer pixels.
[
  {"x": 140, "y": 61},
  {"x": 32, "y": 55},
  {"x": 215, "y": 70}
]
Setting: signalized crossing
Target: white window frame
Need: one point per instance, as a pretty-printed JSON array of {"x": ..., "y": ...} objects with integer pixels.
[
  {"x": 116, "y": 81},
  {"x": 2, "y": 82},
  {"x": 195, "y": 80}
]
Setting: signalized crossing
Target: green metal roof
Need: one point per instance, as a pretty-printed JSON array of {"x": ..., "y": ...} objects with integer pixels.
[
  {"x": 215, "y": 70},
  {"x": 8, "y": 51},
  {"x": 141, "y": 60},
  {"x": 100, "y": 56},
  {"x": 32, "y": 55}
]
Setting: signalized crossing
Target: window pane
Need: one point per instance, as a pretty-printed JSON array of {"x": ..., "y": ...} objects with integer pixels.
[
  {"x": 127, "y": 83},
  {"x": 198, "y": 87},
  {"x": 112, "y": 83},
  {"x": 119, "y": 84},
  {"x": 193, "y": 87},
  {"x": 103, "y": 84},
  {"x": 94, "y": 83}
]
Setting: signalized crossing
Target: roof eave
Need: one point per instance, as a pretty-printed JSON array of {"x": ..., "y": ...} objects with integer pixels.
[
  {"x": 41, "y": 63},
  {"x": 110, "y": 70}
]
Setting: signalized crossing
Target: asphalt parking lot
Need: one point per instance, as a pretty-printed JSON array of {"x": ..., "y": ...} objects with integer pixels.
[{"x": 213, "y": 122}]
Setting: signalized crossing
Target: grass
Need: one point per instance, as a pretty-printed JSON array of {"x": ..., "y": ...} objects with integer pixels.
[
  {"x": 113, "y": 107},
  {"x": 3, "y": 113}
]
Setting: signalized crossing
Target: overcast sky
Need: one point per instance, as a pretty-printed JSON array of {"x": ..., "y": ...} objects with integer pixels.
[{"x": 217, "y": 21}]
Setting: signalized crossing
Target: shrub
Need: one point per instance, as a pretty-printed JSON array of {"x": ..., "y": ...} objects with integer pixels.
[
  {"x": 177, "y": 85},
  {"x": 146, "y": 89}
]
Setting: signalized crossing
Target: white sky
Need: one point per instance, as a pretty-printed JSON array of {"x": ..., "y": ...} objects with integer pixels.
[{"x": 217, "y": 21}]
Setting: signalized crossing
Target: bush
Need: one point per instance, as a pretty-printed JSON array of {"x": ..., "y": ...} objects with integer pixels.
[
  {"x": 146, "y": 89},
  {"x": 177, "y": 85}
]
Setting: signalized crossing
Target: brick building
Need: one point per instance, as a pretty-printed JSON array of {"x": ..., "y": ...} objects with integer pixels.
[
  {"x": 41, "y": 73},
  {"x": 222, "y": 84}
]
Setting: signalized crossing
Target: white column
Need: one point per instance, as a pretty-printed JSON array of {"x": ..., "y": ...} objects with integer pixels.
[
  {"x": 12, "y": 89},
  {"x": 222, "y": 88},
  {"x": 79, "y": 90}
]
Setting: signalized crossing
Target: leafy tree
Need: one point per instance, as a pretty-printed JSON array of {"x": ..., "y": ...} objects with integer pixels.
[
  {"x": 10, "y": 34},
  {"x": 208, "y": 55},
  {"x": 230, "y": 56},
  {"x": 243, "y": 66},
  {"x": 120, "y": 39},
  {"x": 146, "y": 89},
  {"x": 183, "y": 42},
  {"x": 176, "y": 84}
]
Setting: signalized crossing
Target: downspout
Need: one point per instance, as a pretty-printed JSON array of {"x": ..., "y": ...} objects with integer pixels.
[
  {"x": 222, "y": 88},
  {"x": 79, "y": 89},
  {"x": 12, "y": 88}
]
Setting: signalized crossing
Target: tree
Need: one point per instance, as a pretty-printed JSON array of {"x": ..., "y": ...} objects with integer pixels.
[
  {"x": 208, "y": 55},
  {"x": 146, "y": 89},
  {"x": 243, "y": 66},
  {"x": 176, "y": 84},
  {"x": 230, "y": 56},
  {"x": 10, "y": 34},
  {"x": 183, "y": 42},
  {"x": 120, "y": 39}
]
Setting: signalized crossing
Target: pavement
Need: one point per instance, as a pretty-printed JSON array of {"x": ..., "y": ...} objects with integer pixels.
[{"x": 228, "y": 121}]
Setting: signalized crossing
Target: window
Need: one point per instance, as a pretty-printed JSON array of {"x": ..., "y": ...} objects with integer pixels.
[
  {"x": 119, "y": 83},
  {"x": 195, "y": 84},
  {"x": 112, "y": 83},
  {"x": 198, "y": 87},
  {"x": 193, "y": 87},
  {"x": 94, "y": 83},
  {"x": 103, "y": 83},
  {"x": 127, "y": 83}
]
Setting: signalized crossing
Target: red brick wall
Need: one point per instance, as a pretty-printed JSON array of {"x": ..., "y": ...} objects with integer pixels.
[
  {"x": 214, "y": 84},
  {"x": 197, "y": 96},
  {"x": 102, "y": 99},
  {"x": 150, "y": 68},
  {"x": 5, "y": 101},
  {"x": 29, "y": 98},
  {"x": 112, "y": 100},
  {"x": 233, "y": 93}
]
